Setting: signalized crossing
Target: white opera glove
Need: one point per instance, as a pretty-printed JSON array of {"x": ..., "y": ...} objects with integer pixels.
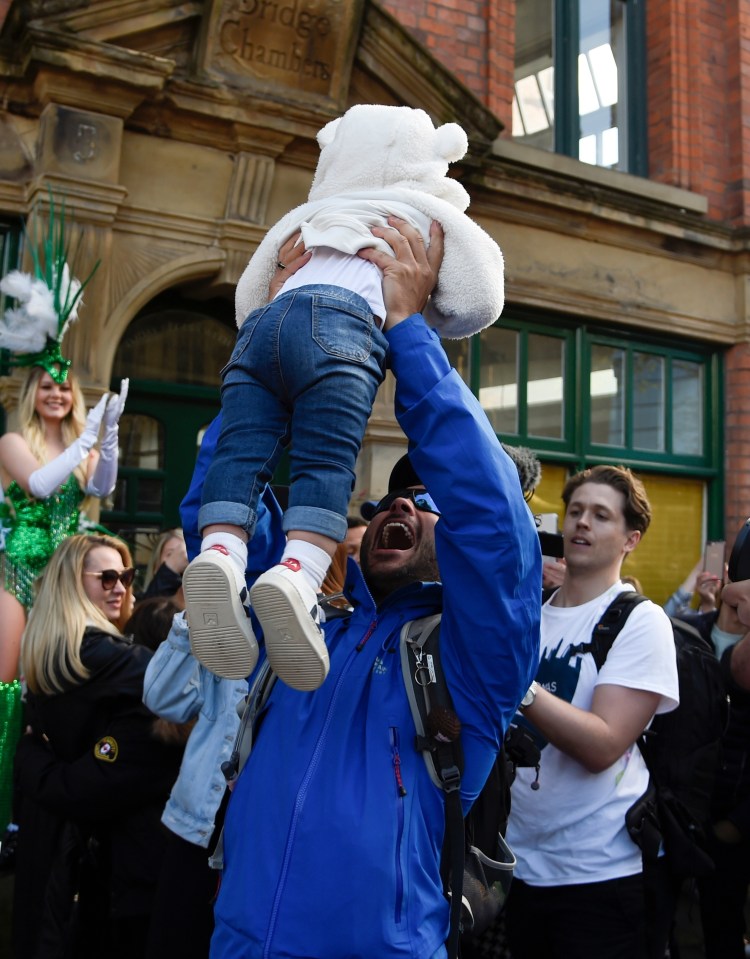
[
  {"x": 105, "y": 475},
  {"x": 44, "y": 481},
  {"x": 115, "y": 406}
]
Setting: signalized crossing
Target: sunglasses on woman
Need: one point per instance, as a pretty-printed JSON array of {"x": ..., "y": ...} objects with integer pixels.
[
  {"x": 110, "y": 576},
  {"x": 420, "y": 497}
]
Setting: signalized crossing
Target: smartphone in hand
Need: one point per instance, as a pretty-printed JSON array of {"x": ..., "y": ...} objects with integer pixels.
[{"x": 713, "y": 559}]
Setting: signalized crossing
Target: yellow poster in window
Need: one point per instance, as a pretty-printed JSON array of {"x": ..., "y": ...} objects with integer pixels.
[{"x": 673, "y": 542}]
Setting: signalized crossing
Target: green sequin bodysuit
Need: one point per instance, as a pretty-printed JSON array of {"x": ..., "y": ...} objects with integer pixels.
[
  {"x": 10, "y": 731},
  {"x": 32, "y": 529}
]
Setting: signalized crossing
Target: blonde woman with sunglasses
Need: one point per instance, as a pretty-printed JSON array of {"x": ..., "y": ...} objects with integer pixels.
[
  {"x": 92, "y": 772},
  {"x": 49, "y": 471}
]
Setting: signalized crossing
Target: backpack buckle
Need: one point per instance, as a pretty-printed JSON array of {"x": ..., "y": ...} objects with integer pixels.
[{"x": 450, "y": 776}]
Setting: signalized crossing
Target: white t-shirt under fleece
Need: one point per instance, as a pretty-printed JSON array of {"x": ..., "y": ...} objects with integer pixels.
[
  {"x": 349, "y": 271},
  {"x": 335, "y": 232},
  {"x": 572, "y": 829}
]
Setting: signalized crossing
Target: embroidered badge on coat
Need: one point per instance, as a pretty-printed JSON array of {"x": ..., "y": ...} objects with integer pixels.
[
  {"x": 379, "y": 667},
  {"x": 106, "y": 749}
]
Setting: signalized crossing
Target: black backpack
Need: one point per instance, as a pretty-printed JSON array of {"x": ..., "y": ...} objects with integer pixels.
[
  {"x": 477, "y": 864},
  {"x": 682, "y": 749}
]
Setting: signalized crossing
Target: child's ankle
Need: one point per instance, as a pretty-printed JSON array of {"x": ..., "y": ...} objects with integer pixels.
[
  {"x": 313, "y": 560},
  {"x": 236, "y": 550}
]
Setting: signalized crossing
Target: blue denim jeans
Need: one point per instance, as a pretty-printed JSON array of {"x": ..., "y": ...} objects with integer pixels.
[{"x": 305, "y": 369}]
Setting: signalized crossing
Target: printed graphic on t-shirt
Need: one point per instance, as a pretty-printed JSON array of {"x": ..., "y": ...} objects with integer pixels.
[{"x": 559, "y": 673}]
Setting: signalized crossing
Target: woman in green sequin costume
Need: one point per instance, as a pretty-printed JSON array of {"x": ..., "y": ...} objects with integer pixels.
[{"x": 47, "y": 471}]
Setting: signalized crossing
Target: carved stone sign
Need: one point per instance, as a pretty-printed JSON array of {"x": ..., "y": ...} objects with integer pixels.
[
  {"x": 305, "y": 47},
  {"x": 71, "y": 141}
]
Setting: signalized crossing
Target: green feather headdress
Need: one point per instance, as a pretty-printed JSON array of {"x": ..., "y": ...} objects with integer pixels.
[{"x": 48, "y": 301}]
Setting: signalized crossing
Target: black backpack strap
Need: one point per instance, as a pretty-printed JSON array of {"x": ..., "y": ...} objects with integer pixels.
[
  {"x": 642, "y": 817},
  {"x": 437, "y": 738},
  {"x": 609, "y": 626},
  {"x": 611, "y": 623}
]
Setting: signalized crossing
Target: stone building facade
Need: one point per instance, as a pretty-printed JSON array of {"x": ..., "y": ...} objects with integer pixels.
[{"x": 179, "y": 131}]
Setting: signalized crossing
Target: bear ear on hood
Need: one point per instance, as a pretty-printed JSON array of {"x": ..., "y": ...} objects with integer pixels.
[
  {"x": 451, "y": 141},
  {"x": 327, "y": 134}
]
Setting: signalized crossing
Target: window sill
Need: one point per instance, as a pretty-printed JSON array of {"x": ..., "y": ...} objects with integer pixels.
[{"x": 624, "y": 183}]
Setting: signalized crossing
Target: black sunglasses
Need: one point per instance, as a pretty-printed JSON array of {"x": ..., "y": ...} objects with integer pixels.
[
  {"x": 110, "y": 576},
  {"x": 420, "y": 497}
]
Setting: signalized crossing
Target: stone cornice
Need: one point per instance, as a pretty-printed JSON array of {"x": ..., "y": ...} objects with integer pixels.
[
  {"x": 108, "y": 21},
  {"x": 143, "y": 71},
  {"x": 81, "y": 73}
]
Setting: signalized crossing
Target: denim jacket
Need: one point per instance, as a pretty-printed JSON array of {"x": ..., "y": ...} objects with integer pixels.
[{"x": 176, "y": 687}]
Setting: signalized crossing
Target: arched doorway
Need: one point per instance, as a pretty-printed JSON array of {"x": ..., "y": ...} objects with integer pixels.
[{"x": 173, "y": 353}]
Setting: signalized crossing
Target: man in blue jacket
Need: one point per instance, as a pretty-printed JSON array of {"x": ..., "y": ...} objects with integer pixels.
[{"x": 334, "y": 830}]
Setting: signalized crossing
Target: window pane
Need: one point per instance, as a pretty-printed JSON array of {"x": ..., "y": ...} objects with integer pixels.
[
  {"x": 602, "y": 82},
  {"x": 607, "y": 388},
  {"x": 498, "y": 378},
  {"x": 141, "y": 442},
  {"x": 610, "y": 147},
  {"x": 533, "y": 116},
  {"x": 457, "y": 352},
  {"x": 545, "y": 386},
  {"x": 546, "y": 80},
  {"x": 149, "y": 494},
  {"x": 588, "y": 101},
  {"x": 529, "y": 99},
  {"x": 587, "y": 150},
  {"x": 148, "y": 346},
  {"x": 119, "y": 498},
  {"x": 604, "y": 74},
  {"x": 648, "y": 402},
  {"x": 687, "y": 408}
]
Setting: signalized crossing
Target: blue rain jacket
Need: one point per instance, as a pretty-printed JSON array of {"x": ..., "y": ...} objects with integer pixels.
[{"x": 334, "y": 830}]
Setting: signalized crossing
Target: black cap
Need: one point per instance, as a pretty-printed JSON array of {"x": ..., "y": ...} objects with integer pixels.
[{"x": 403, "y": 475}]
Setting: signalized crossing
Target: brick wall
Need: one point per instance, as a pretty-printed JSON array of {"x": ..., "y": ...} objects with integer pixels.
[
  {"x": 698, "y": 90},
  {"x": 737, "y": 432},
  {"x": 454, "y": 31},
  {"x": 473, "y": 39}
]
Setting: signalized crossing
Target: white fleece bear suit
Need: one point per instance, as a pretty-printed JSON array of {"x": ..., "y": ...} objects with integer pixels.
[
  {"x": 307, "y": 366},
  {"x": 381, "y": 160},
  {"x": 375, "y": 161}
]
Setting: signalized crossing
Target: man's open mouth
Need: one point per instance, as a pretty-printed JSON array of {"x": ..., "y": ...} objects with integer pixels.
[{"x": 395, "y": 535}]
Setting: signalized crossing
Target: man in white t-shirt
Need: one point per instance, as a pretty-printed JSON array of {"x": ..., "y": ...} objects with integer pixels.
[{"x": 578, "y": 887}]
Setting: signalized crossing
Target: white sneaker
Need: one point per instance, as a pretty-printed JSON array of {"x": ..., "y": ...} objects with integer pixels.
[
  {"x": 287, "y": 608},
  {"x": 221, "y": 635}
]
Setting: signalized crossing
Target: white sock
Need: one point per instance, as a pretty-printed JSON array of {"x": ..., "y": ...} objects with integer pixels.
[
  {"x": 313, "y": 560},
  {"x": 237, "y": 549}
]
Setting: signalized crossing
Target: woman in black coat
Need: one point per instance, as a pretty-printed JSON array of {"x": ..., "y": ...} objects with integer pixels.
[{"x": 93, "y": 772}]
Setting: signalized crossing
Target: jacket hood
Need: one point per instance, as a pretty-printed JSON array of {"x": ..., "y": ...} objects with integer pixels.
[{"x": 374, "y": 147}]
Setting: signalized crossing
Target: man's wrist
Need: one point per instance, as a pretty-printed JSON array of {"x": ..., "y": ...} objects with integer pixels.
[{"x": 530, "y": 697}]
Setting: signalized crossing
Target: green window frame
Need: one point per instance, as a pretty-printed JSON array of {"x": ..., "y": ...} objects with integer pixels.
[
  {"x": 576, "y": 447},
  {"x": 570, "y": 67}
]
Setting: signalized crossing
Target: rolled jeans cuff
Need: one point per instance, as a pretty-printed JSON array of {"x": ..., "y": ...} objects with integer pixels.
[
  {"x": 313, "y": 519},
  {"x": 232, "y": 514}
]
